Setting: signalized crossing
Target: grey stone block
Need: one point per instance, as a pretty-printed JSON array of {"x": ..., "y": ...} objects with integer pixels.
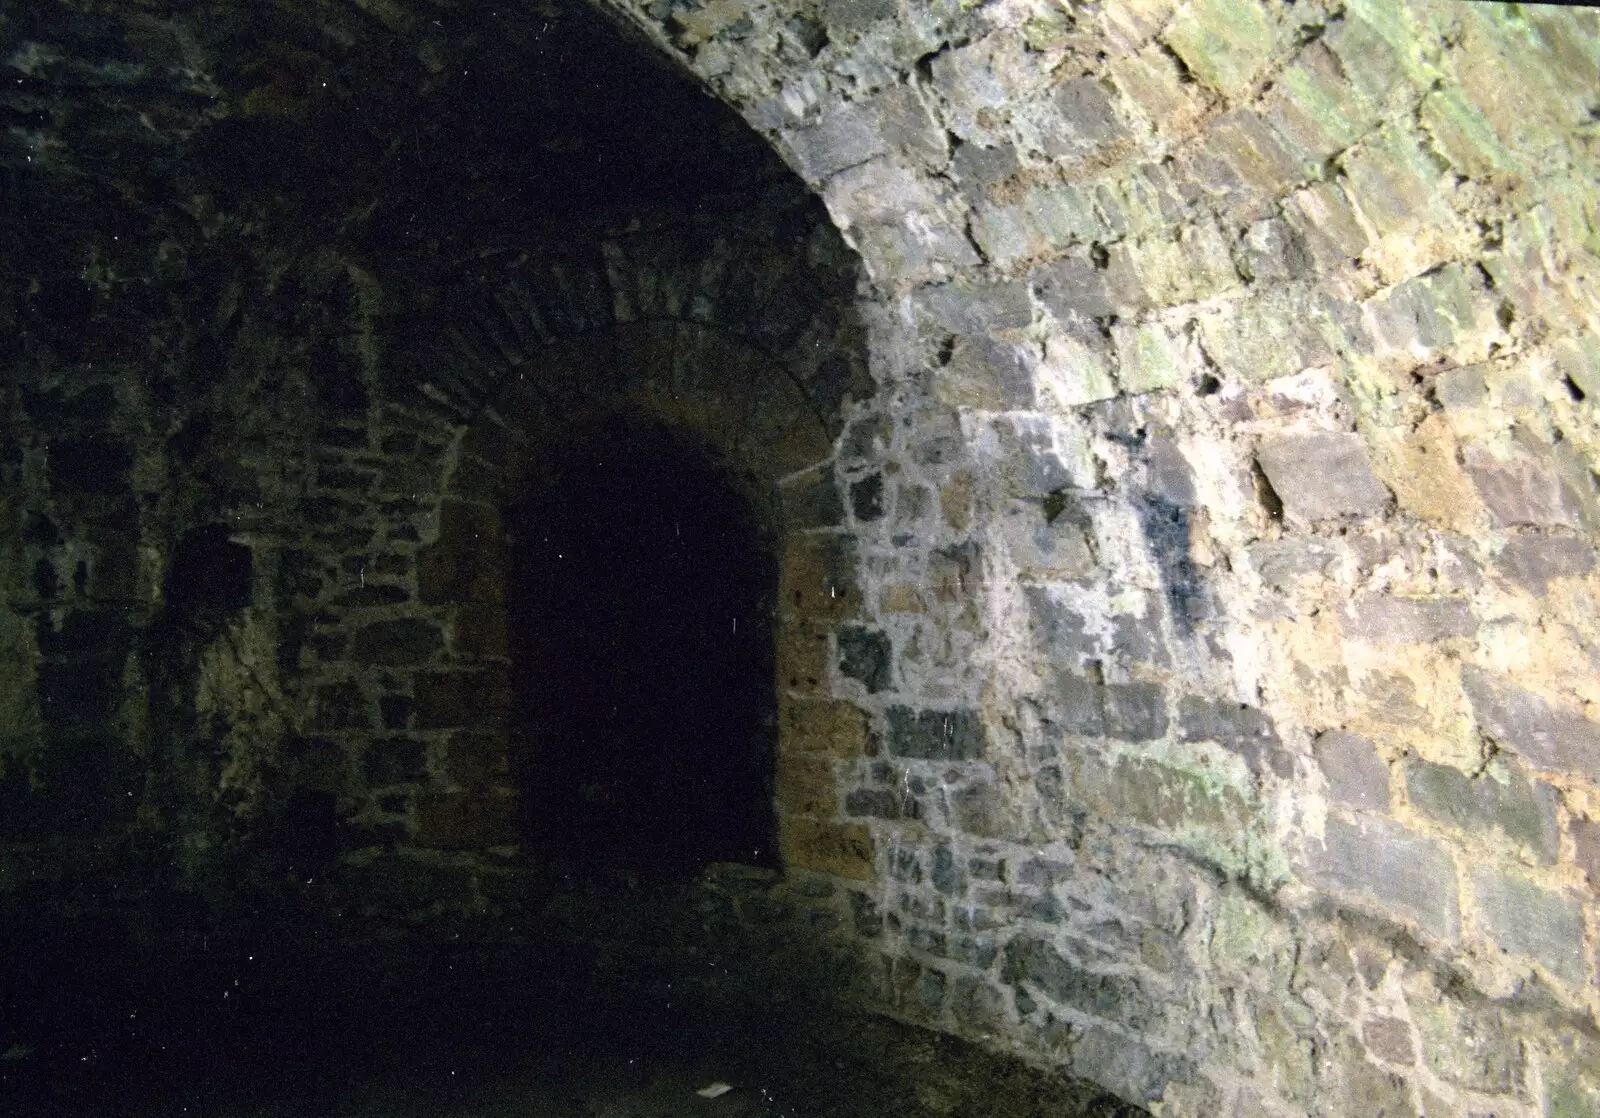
[
  {"x": 1533, "y": 561},
  {"x": 1407, "y": 875},
  {"x": 1522, "y": 489},
  {"x": 981, "y": 308},
  {"x": 1084, "y": 119},
  {"x": 865, "y": 655},
  {"x": 1281, "y": 563},
  {"x": 844, "y": 136},
  {"x": 976, "y": 168},
  {"x": 1527, "y": 920},
  {"x": 407, "y": 641},
  {"x": 1356, "y": 775},
  {"x": 1552, "y": 736},
  {"x": 1381, "y": 619},
  {"x": 1168, "y": 474},
  {"x": 1135, "y": 711},
  {"x": 1501, "y": 798},
  {"x": 1322, "y": 476},
  {"x": 1115, "y": 997},
  {"x": 935, "y": 735},
  {"x": 1241, "y": 729},
  {"x": 987, "y": 374},
  {"x": 1073, "y": 288},
  {"x": 1075, "y": 705}
]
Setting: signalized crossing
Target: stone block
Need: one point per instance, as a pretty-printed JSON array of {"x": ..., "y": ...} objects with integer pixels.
[
  {"x": 1148, "y": 793},
  {"x": 1283, "y": 563},
  {"x": 1312, "y": 106},
  {"x": 448, "y": 700},
  {"x": 1044, "y": 548},
  {"x": 1520, "y": 489},
  {"x": 987, "y": 374},
  {"x": 341, "y": 706},
  {"x": 477, "y": 761},
  {"x": 1151, "y": 356},
  {"x": 1357, "y": 776},
  {"x": 1500, "y": 798},
  {"x": 806, "y": 785},
  {"x": 1136, "y": 1071},
  {"x": 1389, "y": 1039},
  {"x": 1241, "y": 729},
  {"x": 1382, "y": 619},
  {"x": 846, "y": 134},
  {"x": 1135, "y": 711},
  {"x": 936, "y": 735},
  {"x": 1554, "y": 736},
  {"x": 830, "y": 728},
  {"x": 479, "y": 632},
  {"x": 1327, "y": 223},
  {"x": 865, "y": 656},
  {"x": 909, "y": 125},
  {"x": 977, "y": 168},
  {"x": 1114, "y": 997},
  {"x": 1073, "y": 288},
  {"x": 963, "y": 307},
  {"x": 811, "y": 500},
  {"x": 1084, "y": 119},
  {"x": 840, "y": 849},
  {"x": 1404, "y": 874},
  {"x": 406, "y": 641},
  {"x": 1429, "y": 313},
  {"x": 467, "y": 820},
  {"x": 819, "y": 577},
  {"x": 395, "y": 761},
  {"x": 882, "y": 803},
  {"x": 866, "y": 499},
  {"x": 1045, "y": 220},
  {"x": 1280, "y": 332},
  {"x": 469, "y": 560},
  {"x": 1475, "y": 1045},
  {"x": 1224, "y": 43},
  {"x": 1525, "y": 919},
  {"x": 802, "y": 656},
  {"x": 904, "y": 225},
  {"x": 1322, "y": 476},
  {"x": 1243, "y": 154}
]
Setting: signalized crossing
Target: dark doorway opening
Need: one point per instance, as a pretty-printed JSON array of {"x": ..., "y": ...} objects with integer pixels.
[{"x": 642, "y": 656}]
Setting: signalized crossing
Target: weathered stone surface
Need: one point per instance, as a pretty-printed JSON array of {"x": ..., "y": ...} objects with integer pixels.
[
  {"x": 1500, "y": 798},
  {"x": 986, "y": 373},
  {"x": 468, "y": 562},
  {"x": 1130, "y": 711},
  {"x": 1527, "y": 920},
  {"x": 1283, "y": 563},
  {"x": 1381, "y": 619},
  {"x": 1407, "y": 875},
  {"x": 1533, "y": 562},
  {"x": 935, "y": 735},
  {"x": 818, "y": 579},
  {"x": 1357, "y": 777},
  {"x": 1389, "y": 1039},
  {"x": 1322, "y": 476},
  {"x": 1551, "y": 735},
  {"x": 1475, "y": 1045}
]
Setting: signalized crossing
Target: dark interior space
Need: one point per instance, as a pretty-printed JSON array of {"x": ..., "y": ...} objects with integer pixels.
[{"x": 641, "y": 622}]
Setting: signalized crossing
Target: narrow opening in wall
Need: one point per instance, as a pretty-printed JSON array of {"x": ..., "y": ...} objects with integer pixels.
[{"x": 641, "y": 605}]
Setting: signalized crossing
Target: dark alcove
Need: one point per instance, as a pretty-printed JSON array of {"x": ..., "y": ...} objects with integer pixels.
[{"x": 641, "y": 627}]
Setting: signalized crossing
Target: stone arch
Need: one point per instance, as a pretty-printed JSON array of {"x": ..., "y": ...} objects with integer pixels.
[{"x": 768, "y": 394}]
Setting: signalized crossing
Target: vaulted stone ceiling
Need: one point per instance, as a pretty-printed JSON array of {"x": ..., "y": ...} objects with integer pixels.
[{"x": 146, "y": 150}]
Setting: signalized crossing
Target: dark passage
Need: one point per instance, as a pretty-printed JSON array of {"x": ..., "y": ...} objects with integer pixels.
[{"x": 642, "y": 651}]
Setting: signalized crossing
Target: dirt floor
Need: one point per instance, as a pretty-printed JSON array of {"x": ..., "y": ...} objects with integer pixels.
[{"x": 620, "y": 1059}]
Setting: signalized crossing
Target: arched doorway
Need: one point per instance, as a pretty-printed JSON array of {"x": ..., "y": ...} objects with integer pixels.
[{"x": 640, "y": 605}]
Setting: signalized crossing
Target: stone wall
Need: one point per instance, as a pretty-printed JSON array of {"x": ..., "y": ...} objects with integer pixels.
[
  {"x": 1186, "y": 657},
  {"x": 1212, "y": 715}
]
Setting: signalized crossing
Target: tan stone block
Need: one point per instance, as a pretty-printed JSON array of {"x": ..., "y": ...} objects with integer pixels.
[
  {"x": 1423, "y": 470},
  {"x": 831, "y": 728},
  {"x": 841, "y": 849},
  {"x": 805, "y": 785},
  {"x": 956, "y": 499},
  {"x": 802, "y": 653},
  {"x": 819, "y": 578},
  {"x": 902, "y": 597}
]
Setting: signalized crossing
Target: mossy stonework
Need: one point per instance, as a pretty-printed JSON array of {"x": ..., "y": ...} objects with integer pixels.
[{"x": 1172, "y": 424}]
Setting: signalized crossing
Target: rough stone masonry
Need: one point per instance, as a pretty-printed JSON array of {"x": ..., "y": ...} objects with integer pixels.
[{"x": 1188, "y": 663}]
